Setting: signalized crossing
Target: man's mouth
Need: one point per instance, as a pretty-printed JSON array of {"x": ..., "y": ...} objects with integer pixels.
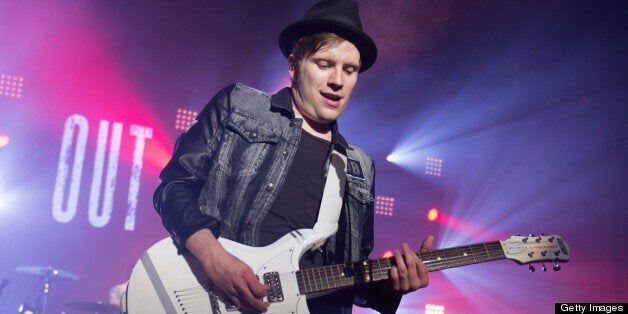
[{"x": 332, "y": 97}]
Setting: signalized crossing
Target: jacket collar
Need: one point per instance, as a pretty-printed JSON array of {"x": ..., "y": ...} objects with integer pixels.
[{"x": 283, "y": 100}]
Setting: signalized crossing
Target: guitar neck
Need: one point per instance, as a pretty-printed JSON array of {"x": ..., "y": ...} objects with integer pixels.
[{"x": 332, "y": 277}]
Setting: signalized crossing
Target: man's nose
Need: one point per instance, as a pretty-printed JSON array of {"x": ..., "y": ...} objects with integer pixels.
[{"x": 336, "y": 79}]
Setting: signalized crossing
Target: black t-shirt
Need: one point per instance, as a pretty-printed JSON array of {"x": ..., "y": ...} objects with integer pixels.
[
  {"x": 299, "y": 200},
  {"x": 297, "y": 206}
]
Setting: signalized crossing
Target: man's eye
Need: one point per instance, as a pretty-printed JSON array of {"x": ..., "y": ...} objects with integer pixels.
[{"x": 323, "y": 65}]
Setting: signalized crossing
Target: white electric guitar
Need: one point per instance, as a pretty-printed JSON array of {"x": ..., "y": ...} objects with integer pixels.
[{"x": 164, "y": 282}]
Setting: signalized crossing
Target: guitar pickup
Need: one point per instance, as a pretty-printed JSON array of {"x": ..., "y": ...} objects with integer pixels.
[{"x": 276, "y": 292}]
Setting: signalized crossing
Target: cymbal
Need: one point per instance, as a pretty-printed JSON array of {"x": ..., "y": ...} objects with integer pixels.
[
  {"x": 95, "y": 307},
  {"x": 47, "y": 272}
]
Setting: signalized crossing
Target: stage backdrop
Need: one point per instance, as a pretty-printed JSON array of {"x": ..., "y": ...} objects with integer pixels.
[{"x": 507, "y": 117}]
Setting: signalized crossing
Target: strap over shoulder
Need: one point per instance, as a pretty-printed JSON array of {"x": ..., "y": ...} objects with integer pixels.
[{"x": 331, "y": 203}]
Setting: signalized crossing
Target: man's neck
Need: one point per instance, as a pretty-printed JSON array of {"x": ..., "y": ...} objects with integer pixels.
[{"x": 320, "y": 130}]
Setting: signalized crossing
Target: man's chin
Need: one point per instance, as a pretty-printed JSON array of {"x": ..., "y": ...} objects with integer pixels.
[{"x": 326, "y": 120}]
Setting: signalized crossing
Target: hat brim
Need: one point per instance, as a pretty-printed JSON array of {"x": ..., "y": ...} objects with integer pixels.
[{"x": 366, "y": 46}]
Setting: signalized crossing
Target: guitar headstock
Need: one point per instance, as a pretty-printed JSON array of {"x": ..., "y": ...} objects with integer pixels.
[{"x": 529, "y": 249}]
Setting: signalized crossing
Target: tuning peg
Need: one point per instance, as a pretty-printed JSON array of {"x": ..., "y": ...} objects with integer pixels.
[
  {"x": 543, "y": 266},
  {"x": 532, "y": 268},
  {"x": 556, "y": 266}
]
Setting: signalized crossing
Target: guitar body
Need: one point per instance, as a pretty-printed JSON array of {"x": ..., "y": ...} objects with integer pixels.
[{"x": 164, "y": 282}]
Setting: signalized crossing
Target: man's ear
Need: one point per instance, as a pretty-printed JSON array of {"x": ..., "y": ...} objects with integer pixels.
[{"x": 292, "y": 65}]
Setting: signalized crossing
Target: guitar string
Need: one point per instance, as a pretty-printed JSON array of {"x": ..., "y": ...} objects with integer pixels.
[
  {"x": 193, "y": 299},
  {"x": 338, "y": 276},
  {"x": 334, "y": 276},
  {"x": 318, "y": 278}
]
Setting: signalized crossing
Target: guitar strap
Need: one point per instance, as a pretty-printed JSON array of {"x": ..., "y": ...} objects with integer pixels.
[{"x": 333, "y": 194}]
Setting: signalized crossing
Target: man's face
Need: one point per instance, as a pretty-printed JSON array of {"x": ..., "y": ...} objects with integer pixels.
[{"x": 322, "y": 83}]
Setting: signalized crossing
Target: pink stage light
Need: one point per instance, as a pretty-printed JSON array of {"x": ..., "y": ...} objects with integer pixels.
[
  {"x": 11, "y": 85},
  {"x": 387, "y": 254},
  {"x": 384, "y": 205},
  {"x": 461, "y": 226},
  {"x": 433, "y": 166},
  {"x": 432, "y": 214},
  {"x": 184, "y": 119}
]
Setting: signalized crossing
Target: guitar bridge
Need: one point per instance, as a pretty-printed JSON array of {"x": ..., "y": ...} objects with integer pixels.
[{"x": 276, "y": 292}]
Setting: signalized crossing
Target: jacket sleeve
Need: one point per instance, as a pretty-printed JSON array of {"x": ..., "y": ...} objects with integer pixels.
[{"x": 181, "y": 181}]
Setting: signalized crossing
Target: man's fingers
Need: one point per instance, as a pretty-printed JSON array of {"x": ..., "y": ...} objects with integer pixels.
[
  {"x": 403, "y": 272},
  {"x": 401, "y": 265},
  {"x": 394, "y": 276},
  {"x": 259, "y": 291},
  {"x": 409, "y": 273},
  {"x": 410, "y": 258},
  {"x": 413, "y": 264},
  {"x": 427, "y": 243},
  {"x": 251, "y": 291}
]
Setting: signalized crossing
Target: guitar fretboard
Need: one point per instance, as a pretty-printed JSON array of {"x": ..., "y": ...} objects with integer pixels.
[{"x": 331, "y": 277}]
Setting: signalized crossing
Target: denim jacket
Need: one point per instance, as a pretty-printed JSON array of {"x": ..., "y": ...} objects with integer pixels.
[{"x": 228, "y": 168}]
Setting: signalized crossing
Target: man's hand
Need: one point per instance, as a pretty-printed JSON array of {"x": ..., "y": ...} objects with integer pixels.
[
  {"x": 228, "y": 273},
  {"x": 409, "y": 273}
]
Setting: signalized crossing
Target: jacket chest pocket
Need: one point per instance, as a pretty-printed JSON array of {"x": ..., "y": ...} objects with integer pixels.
[
  {"x": 245, "y": 145},
  {"x": 359, "y": 191}
]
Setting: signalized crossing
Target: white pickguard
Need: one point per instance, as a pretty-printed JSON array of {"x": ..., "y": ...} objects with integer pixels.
[{"x": 164, "y": 282}]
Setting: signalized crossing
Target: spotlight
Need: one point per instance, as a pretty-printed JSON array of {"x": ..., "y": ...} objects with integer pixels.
[
  {"x": 184, "y": 119},
  {"x": 26, "y": 309},
  {"x": 433, "y": 166},
  {"x": 4, "y": 140},
  {"x": 432, "y": 214},
  {"x": 434, "y": 309},
  {"x": 384, "y": 205},
  {"x": 11, "y": 85}
]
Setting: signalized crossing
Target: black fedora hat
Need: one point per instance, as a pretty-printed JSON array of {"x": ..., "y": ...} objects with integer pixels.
[{"x": 336, "y": 16}]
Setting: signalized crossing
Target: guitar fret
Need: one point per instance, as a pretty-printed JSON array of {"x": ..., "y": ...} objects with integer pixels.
[
  {"x": 303, "y": 281},
  {"x": 452, "y": 257},
  {"x": 316, "y": 279},
  {"x": 312, "y": 278},
  {"x": 462, "y": 255},
  {"x": 328, "y": 275},
  {"x": 325, "y": 276},
  {"x": 480, "y": 253},
  {"x": 382, "y": 267},
  {"x": 320, "y": 277},
  {"x": 335, "y": 272},
  {"x": 488, "y": 253},
  {"x": 348, "y": 275}
]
